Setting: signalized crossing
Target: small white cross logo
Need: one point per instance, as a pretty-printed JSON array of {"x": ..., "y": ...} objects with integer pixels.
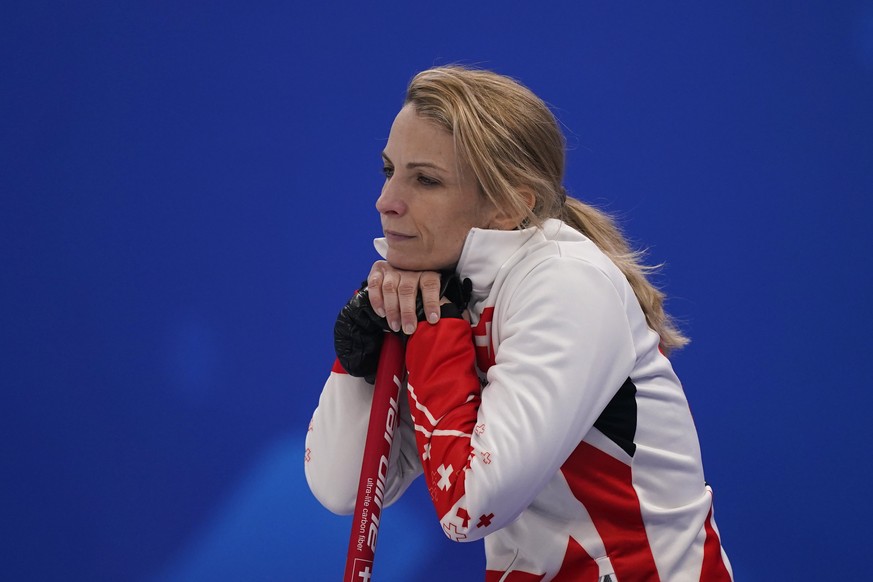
[
  {"x": 445, "y": 473},
  {"x": 365, "y": 574},
  {"x": 426, "y": 454}
]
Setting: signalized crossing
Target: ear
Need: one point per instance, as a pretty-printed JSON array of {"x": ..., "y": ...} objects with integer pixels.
[{"x": 506, "y": 219}]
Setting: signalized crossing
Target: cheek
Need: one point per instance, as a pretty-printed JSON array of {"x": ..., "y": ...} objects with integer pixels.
[
  {"x": 439, "y": 245},
  {"x": 444, "y": 228},
  {"x": 454, "y": 233}
]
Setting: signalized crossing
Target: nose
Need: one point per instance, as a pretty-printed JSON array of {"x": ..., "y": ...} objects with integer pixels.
[{"x": 391, "y": 200}]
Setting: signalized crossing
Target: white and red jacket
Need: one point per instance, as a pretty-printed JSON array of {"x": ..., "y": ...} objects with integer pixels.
[{"x": 554, "y": 428}]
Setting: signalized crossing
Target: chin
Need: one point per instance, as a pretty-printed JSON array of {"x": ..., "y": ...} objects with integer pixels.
[{"x": 406, "y": 263}]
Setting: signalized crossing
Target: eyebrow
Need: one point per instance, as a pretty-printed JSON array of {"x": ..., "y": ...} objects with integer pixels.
[{"x": 413, "y": 165}]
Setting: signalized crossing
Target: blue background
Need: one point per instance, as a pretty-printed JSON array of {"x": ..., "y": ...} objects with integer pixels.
[{"x": 187, "y": 200}]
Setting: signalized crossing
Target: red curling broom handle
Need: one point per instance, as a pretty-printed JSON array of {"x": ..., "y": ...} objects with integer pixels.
[{"x": 374, "y": 468}]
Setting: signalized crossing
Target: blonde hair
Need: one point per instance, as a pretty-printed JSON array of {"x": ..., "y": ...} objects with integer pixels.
[{"x": 512, "y": 143}]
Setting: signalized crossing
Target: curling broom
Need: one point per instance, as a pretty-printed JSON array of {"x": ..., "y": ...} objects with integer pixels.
[{"x": 374, "y": 468}]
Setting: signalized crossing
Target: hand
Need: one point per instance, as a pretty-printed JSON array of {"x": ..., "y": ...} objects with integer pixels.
[
  {"x": 454, "y": 297},
  {"x": 358, "y": 335},
  {"x": 393, "y": 293}
]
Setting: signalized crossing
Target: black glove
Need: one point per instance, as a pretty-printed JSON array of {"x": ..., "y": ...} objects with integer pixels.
[
  {"x": 358, "y": 335},
  {"x": 359, "y": 332},
  {"x": 456, "y": 291}
]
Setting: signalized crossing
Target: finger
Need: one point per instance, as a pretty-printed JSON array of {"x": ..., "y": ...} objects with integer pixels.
[
  {"x": 430, "y": 295},
  {"x": 407, "y": 292},
  {"x": 374, "y": 285},
  {"x": 390, "y": 300}
]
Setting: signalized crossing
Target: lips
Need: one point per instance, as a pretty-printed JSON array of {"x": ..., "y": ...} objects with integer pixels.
[{"x": 394, "y": 236}]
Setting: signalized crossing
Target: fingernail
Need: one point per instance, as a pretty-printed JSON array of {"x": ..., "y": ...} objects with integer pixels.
[
  {"x": 409, "y": 329},
  {"x": 380, "y": 312},
  {"x": 432, "y": 317},
  {"x": 394, "y": 325}
]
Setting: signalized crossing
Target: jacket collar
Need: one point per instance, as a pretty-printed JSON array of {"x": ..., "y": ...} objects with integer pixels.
[{"x": 486, "y": 251}]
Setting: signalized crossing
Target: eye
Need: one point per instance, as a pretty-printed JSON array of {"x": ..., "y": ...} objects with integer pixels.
[
  {"x": 387, "y": 171},
  {"x": 427, "y": 181}
]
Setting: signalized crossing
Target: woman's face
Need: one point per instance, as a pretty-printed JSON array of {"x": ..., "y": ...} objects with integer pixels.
[{"x": 430, "y": 199}]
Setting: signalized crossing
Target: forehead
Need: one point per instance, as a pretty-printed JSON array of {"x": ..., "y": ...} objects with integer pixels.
[{"x": 415, "y": 136}]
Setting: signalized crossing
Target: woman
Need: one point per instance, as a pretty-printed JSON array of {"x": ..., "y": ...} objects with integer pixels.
[{"x": 540, "y": 404}]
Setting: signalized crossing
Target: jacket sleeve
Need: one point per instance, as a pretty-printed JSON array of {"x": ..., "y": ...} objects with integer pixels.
[
  {"x": 335, "y": 444},
  {"x": 564, "y": 349}
]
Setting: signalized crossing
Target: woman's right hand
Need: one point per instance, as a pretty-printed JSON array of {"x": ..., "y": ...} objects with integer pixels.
[{"x": 393, "y": 293}]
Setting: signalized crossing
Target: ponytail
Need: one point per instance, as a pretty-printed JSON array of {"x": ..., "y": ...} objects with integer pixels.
[{"x": 604, "y": 233}]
